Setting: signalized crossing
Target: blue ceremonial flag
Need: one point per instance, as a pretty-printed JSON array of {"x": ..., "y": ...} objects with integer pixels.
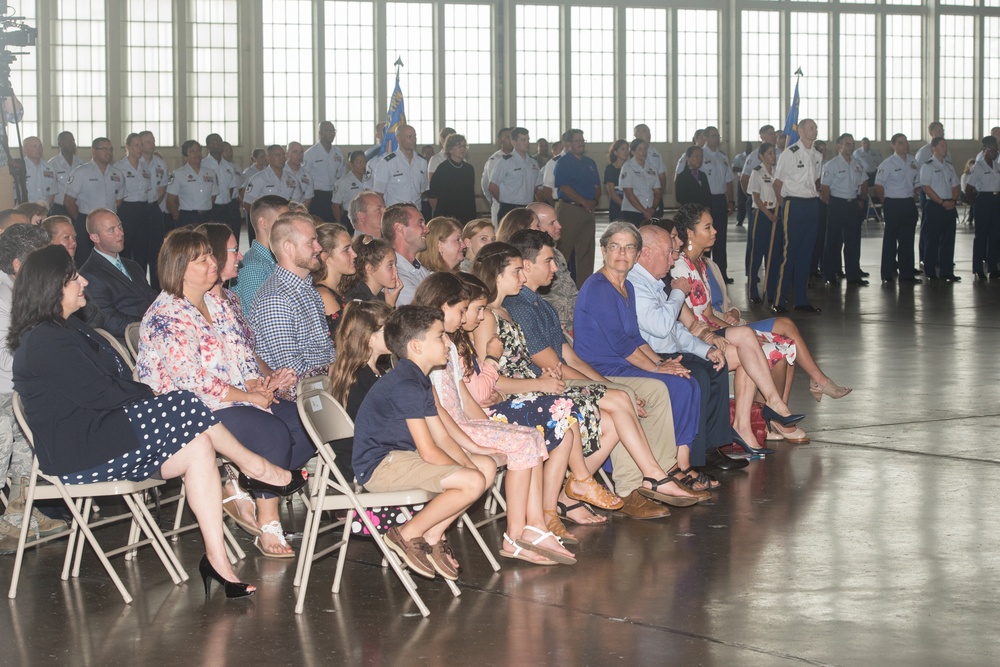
[
  {"x": 394, "y": 118},
  {"x": 792, "y": 120}
]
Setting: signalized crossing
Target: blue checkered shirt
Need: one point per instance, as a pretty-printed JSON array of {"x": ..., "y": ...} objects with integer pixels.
[
  {"x": 258, "y": 264},
  {"x": 289, "y": 318}
]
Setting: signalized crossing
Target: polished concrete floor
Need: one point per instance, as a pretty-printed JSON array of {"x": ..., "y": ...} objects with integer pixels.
[{"x": 875, "y": 544}]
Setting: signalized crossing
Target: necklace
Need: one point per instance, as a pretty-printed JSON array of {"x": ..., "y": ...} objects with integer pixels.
[{"x": 456, "y": 166}]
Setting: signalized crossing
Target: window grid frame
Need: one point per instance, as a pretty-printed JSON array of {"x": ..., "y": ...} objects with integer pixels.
[
  {"x": 476, "y": 118},
  {"x": 356, "y": 126},
  {"x": 68, "y": 106},
  {"x": 685, "y": 125},
  {"x": 202, "y": 118},
  {"x": 540, "y": 76},
  {"x": 165, "y": 83},
  {"x": 656, "y": 112},
  {"x": 592, "y": 117},
  {"x": 288, "y": 117},
  {"x": 419, "y": 67}
]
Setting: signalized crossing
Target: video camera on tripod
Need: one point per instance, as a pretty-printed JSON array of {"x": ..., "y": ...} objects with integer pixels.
[{"x": 13, "y": 33}]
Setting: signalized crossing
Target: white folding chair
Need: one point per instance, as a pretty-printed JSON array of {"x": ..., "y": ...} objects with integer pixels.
[
  {"x": 83, "y": 494},
  {"x": 132, "y": 339},
  {"x": 118, "y": 347},
  {"x": 325, "y": 420}
]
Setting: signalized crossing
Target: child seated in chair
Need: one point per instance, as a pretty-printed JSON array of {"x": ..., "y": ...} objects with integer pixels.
[{"x": 400, "y": 443}]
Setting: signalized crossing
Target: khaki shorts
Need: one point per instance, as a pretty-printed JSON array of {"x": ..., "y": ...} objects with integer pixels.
[{"x": 406, "y": 470}]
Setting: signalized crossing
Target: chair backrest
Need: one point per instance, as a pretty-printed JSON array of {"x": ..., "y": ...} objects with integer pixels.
[
  {"x": 118, "y": 347},
  {"x": 315, "y": 383},
  {"x": 22, "y": 420},
  {"x": 132, "y": 339},
  {"x": 325, "y": 420}
]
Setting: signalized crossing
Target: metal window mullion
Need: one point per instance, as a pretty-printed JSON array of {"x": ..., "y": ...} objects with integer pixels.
[
  {"x": 565, "y": 68},
  {"x": 113, "y": 68},
  {"x": 833, "y": 84},
  {"x": 381, "y": 100},
  {"x": 620, "y": 73},
  {"x": 319, "y": 61},
  {"x": 440, "y": 70}
]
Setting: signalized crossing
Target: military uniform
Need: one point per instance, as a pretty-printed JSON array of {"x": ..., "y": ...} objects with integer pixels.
[
  {"x": 62, "y": 170},
  {"x": 226, "y": 208},
  {"x": 306, "y": 191},
  {"x": 40, "y": 180},
  {"x": 766, "y": 238},
  {"x": 798, "y": 169},
  {"x": 196, "y": 192},
  {"x": 325, "y": 168},
  {"x": 92, "y": 189},
  {"x": 134, "y": 211},
  {"x": 898, "y": 177},
  {"x": 159, "y": 177},
  {"x": 644, "y": 183},
  {"x": 517, "y": 177},
  {"x": 984, "y": 178},
  {"x": 939, "y": 242},
  {"x": 399, "y": 180},
  {"x": 720, "y": 174},
  {"x": 266, "y": 182},
  {"x": 845, "y": 213},
  {"x": 346, "y": 189},
  {"x": 484, "y": 182}
]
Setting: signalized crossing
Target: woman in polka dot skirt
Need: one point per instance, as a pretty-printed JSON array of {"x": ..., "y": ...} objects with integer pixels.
[{"x": 93, "y": 423}]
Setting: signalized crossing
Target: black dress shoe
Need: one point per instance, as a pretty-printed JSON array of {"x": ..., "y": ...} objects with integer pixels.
[
  {"x": 808, "y": 308},
  {"x": 913, "y": 281},
  {"x": 994, "y": 275},
  {"x": 952, "y": 279},
  {"x": 918, "y": 272},
  {"x": 980, "y": 276},
  {"x": 888, "y": 283},
  {"x": 865, "y": 274},
  {"x": 779, "y": 310},
  {"x": 831, "y": 283},
  {"x": 729, "y": 281},
  {"x": 756, "y": 300},
  {"x": 841, "y": 275},
  {"x": 716, "y": 459},
  {"x": 858, "y": 283}
]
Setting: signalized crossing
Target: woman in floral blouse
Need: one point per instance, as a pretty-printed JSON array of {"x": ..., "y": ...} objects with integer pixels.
[{"x": 190, "y": 338}]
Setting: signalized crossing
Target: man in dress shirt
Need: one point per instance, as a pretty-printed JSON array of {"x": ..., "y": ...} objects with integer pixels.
[
  {"x": 982, "y": 189},
  {"x": 366, "y": 210},
  {"x": 516, "y": 177},
  {"x": 941, "y": 188},
  {"x": 226, "y": 208},
  {"x": 438, "y": 158},
  {"x": 324, "y": 163},
  {"x": 93, "y": 185},
  {"x": 38, "y": 175},
  {"x": 870, "y": 157},
  {"x": 293, "y": 166},
  {"x": 272, "y": 180},
  {"x": 258, "y": 262},
  {"x": 579, "y": 187},
  {"x": 287, "y": 313},
  {"x": 506, "y": 148},
  {"x": 844, "y": 188},
  {"x": 795, "y": 183},
  {"x": 403, "y": 226},
  {"x": 258, "y": 162},
  {"x": 401, "y": 176},
  {"x": 63, "y": 165},
  {"x": 720, "y": 181},
  {"x": 897, "y": 180},
  {"x": 117, "y": 285},
  {"x": 192, "y": 189},
  {"x": 653, "y": 159}
]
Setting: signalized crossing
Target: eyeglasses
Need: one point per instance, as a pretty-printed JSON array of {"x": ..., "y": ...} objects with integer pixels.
[
  {"x": 629, "y": 248},
  {"x": 232, "y": 249}
]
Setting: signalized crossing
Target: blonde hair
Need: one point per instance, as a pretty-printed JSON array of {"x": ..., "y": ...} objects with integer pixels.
[{"x": 438, "y": 229}]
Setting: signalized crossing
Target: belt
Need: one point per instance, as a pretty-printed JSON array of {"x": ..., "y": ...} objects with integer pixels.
[
  {"x": 849, "y": 201},
  {"x": 714, "y": 196},
  {"x": 571, "y": 203},
  {"x": 988, "y": 194},
  {"x": 800, "y": 198},
  {"x": 134, "y": 202},
  {"x": 191, "y": 210},
  {"x": 909, "y": 199},
  {"x": 318, "y": 190}
]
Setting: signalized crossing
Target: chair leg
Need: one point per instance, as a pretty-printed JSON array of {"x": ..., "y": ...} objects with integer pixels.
[
  {"x": 74, "y": 535},
  {"x": 308, "y": 547},
  {"x": 482, "y": 543},
  {"x": 25, "y": 526},
  {"x": 233, "y": 549},
  {"x": 143, "y": 523},
  {"x": 87, "y": 513},
  {"x": 160, "y": 544},
  {"x": 393, "y": 559},
  {"x": 181, "y": 501}
]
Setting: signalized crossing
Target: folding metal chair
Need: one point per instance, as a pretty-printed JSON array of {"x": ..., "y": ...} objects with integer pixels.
[
  {"x": 325, "y": 420},
  {"x": 80, "y": 496},
  {"x": 132, "y": 339},
  {"x": 118, "y": 347}
]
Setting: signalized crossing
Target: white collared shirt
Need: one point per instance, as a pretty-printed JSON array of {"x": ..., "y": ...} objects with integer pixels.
[
  {"x": 195, "y": 191},
  {"x": 898, "y": 176},
  {"x": 95, "y": 189},
  {"x": 399, "y": 179},
  {"x": 306, "y": 191},
  {"x": 62, "y": 171},
  {"x": 228, "y": 177},
  {"x": 137, "y": 180},
  {"x": 984, "y": 177},
  {"x": 324, "y": 167},
  {"x": 642, "y": 179},
  {"x": 940, "y": 176},
  {"x": 717, "y": 169},
  {"x": 266, "y": 182},
  {"x": 517, "y": 177},
  {"x": 798, "y": 169},
  {"x": 40, "y": 179},
  {"x": 844, "y": 178}
]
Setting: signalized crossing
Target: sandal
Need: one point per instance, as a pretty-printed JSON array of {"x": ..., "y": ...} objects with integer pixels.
[
  {"x": 553, "y": 523},
  {"x": 831, "y": 389},
  {"x": 273, "y": 528},
  {"x": 563, "y": 512},
  {"x": 441, "y": 557},
  {"x": 677, "y": 477},
  {"x": 560, "y": 558},
  {"x": 697, "y": 478},
  {"x": 518, "y": 556},
  {"x": 233, "y": 512},
  {"x": 595, "y": 494}
]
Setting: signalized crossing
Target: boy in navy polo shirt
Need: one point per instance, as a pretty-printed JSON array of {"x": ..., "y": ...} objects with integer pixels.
[{"x": 400, "y": 443}]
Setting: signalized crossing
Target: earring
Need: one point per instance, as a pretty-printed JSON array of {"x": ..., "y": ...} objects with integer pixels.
[{"x": 690, "y": 247}]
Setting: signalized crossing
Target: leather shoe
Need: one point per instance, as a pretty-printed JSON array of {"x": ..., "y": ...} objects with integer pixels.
[
  {"x": 716, "y": 459},
  {"x": 756, "y": 300},
  {"x": 779, "y": 310},
  {"x": 858, "y": 283},
  {"x": 865, "y": 274},
  {"x": 913, "y": 281},
  {"x": 994, "y": 275},
  {"x": 729, "y": 281},
  {"x": 952, "y": 279},
  {"x": 980, "y": 276},
  {"x": 808, "y": 308},
  {"x": 638, "y": 506}
]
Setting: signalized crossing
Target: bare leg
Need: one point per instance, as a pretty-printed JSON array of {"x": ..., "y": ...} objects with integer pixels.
[
  {"x": 533, "y": 516},
  {"x": 744, "y": 389},
  {"x": 786, "y": 327},
  {"x": 461, "y": 488},
  {"x": 254, "y": 465},
  {"x": 581, "y": 468},
  {"x": 267, "y": 511},
  {"x": 752, "y": 361}
]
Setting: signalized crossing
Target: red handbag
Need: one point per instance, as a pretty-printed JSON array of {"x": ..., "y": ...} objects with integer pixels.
[{"x": 756, "y": 420}]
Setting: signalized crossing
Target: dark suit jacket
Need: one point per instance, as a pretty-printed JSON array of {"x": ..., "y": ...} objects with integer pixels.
[
  {"x": 689, "y": 191},
  {"x": 122, "y": 301},
  {"x": 73, "y": 386}
]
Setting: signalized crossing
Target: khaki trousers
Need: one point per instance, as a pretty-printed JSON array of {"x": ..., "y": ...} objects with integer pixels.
[{"x": 578, "y": 231}]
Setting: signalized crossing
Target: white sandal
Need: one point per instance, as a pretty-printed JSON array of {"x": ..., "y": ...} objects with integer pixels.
[
  {"x": 233, "y": 512},
  {"x": 560, "y": 558},
  {"x": 273, "y": 528},
  {"x": 517, "y": 553}
]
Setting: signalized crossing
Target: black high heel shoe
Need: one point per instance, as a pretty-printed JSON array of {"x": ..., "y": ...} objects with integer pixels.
[
  {"x": 769, "y": 414},
  {"x": 234, "y": 589},
  {"x": 738, "y": 440},
  {"x": 299, "y": 479}
]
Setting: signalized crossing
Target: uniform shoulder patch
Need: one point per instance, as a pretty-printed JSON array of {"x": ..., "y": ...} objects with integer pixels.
[
  {"x": 390, "y": 156},
  {"x": 758, "y": 167},
  {"x": 508, "y": 156},
  {"x": 794, "y": 149}
]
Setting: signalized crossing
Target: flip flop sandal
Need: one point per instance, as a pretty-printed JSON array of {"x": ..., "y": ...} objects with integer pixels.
[
  {"x": 673, "y": 501},
  {"x": 555, "y": 524},
  {"x": 517, "y": 553},
  {"x": 545, "y": 552},
  {"x": 273, "y": 528},
  {"x": 234, "y": 513},
  {"x": 563, "y": 512}
]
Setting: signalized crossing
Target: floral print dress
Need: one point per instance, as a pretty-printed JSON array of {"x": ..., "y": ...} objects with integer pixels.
[
  {"x": 516, "y": 364},
  {"x": 775, "y": 346}
]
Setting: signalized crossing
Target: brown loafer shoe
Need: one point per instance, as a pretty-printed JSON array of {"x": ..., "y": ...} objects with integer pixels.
[
  {"x": 414, "y": 553},
  {"x": 639, "y": 506},
  {"x": 441, "y": 562}
]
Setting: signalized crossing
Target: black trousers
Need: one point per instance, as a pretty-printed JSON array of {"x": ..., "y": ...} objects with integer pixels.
[
  {"x": 720, "y": 220},
  {"x": 939, "y": 242},
  {"x": 84, "y": 246},
  {"x": 505, "y": 209},
  {"x": 897, "y": 240},
  {"x": 135, "y": 224},
  {"x": 322, "y": 205},
  {"x": 843, "y": 230},
  {"x": 986, "y": 243},
  {"x": 156, "y": 234},
  {"x": 230, "y": 215},
  {"x": 714, "y": 429}
]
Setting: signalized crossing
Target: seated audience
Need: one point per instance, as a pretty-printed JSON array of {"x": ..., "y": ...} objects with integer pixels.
[
  {"x": 366, "y": 211},
  {"x": 191, "y": 340},
  {"x": 375, "y": 276},
  {"x": 117, "y": 285},
  {"x": 89, "y": 417},
  {"x": 403, "y": 226},
  {"x": 34, "y": 211},
  {"x": 445, "y": 247},
  {"x": 336, "y": 262},
  {"x": 400, "y": 443},
  {"x": 10, "y": 217},
  {"x": 475, "y": 235},
  {"x": 288, "y": 314},
  {"x": 563, "y": 290},
  {"x": 258, "y": 264},
  {"x": 515, "y": 221}
]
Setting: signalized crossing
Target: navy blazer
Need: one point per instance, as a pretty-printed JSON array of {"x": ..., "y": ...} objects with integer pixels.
[
  {"x": 689, "y": 191},
  {"x": 122, "y": 301},
  {"x": 73, "y": 386}
]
